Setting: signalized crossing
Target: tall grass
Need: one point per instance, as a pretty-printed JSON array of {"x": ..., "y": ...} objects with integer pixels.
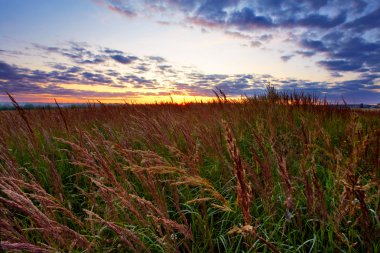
[{"x": 281, "y": 172}]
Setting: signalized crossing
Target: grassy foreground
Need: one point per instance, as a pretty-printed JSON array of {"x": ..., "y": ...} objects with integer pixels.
[{"x": 281, "y": 173}]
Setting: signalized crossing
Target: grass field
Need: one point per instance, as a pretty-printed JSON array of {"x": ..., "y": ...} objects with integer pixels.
[{"x": 278, "y": 172}]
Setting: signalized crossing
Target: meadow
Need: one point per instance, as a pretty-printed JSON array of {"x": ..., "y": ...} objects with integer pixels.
[{"x": 280, "y": 172}]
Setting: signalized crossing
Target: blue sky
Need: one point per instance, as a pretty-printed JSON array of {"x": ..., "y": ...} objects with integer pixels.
[{"x": 124, "y": 50}]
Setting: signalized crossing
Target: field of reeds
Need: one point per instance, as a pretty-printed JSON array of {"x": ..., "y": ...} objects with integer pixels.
[{"x": 272, "y": 173}]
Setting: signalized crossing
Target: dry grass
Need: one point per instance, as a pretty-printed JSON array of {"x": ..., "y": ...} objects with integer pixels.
[{"x": 281, "y": 172}]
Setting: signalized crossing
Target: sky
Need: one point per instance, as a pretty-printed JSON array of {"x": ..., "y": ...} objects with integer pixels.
[{"x": 147, "y": 50}]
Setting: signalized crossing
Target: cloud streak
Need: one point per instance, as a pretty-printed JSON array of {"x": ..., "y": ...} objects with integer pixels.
[{"x": 62, "y": 77}]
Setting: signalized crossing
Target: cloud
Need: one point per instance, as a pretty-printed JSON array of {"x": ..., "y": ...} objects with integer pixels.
[
  {"x": 74, "y": 69},
  {"x": 366, "y": 22},
  {"x": 152, "y": 75},
  {"x": 112, "y": 51},
  {"x": 123, "y": 59},
  {"x": 157, "y": 59},
  {"x": 340, "y": 65},
  {"x": 118, "y": 6},
  {"x": 256, "y": 43},
  {"x": 336, "y": 74},
  {"x": 122, "y": 10},
  {"x": 59, "y": 66},
  {"x": 16, "y": 76},
  {"x": 24, "y": 81},
  {"x": 77, "y": 52},
  {"x": 165, "y": 68},
  {"x": 305, "y": 53},
  {"x": 248, "y": 19},
  {"x": 346, "y": 34},
  {"x": 7, "y": 71},
  {"x": 345, "y": 53},
  {"x": 12, "y": 53},
  {"x": 314, "y": 45},
  {"x": 96, "y": 78},
  {"x": 286, "y": 58},
  {"x": 164, "y": 23},
  {"x": 265, "y": 37},
  {"x": 238, "y": 35},
  {"x": 81, "y": 53},
  {"x": 317, "y": 21},
  {"x": 138, "y": 82},
  {"x": 247, "y": 15},
  {"x": 142, "y": 68}
]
